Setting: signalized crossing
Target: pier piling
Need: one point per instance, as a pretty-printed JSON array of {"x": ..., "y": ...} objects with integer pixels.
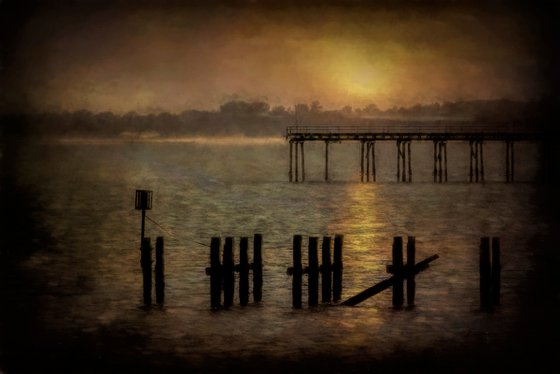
[
  {"x": 257, "y": 268},
  {"x": 146, "y": 264},
  {"x": 159, "y": 271},
  {"x": 410, "y": 262},
  {"x": 296, "y": 272},
  {"x": 215, "y": 273},
  {"x": 228, "y": 276},
  {"x": 313, "y": 272},
  {"x": 397, "y": 268},
  {"x": 326, "y": 277},
  {"x": 243, "y": 271},
  {"x": 337, "y": 267}
]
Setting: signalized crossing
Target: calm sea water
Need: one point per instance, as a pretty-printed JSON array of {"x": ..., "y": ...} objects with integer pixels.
[{"x": 221, "y": 188}]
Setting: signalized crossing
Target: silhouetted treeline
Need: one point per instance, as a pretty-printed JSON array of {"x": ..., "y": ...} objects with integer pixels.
[{"x": 258, "y": 118}]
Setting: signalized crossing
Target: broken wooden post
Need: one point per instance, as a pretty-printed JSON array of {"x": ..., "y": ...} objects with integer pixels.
[
  {"x": 159, "y": 271},
  {"x": 146, "y": 264},
  {"x": 215, "y": 273},
  {"x": 496, "y": 271},
  {"x": 326, "y": 282},
  {"x": 398, "y": 287},
  {"x": 410, "y": 261},
  {"x": 485, "y": 273},
  {"x": 243, "y": 271},
  {"x": 383, "y": 285},
  {"x": 257, "y": 268},
  {"x": 313, "y": 272},
  {"x": 337, "y": 267},
  {"x": 228, "y": 272},
  {"x": 296, "y": 272}
]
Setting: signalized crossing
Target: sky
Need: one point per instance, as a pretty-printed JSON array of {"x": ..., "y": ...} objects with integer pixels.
[{"x": 147, "y": 57}]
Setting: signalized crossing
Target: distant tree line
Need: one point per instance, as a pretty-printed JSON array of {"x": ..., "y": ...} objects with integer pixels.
[{"x": 258, "y": 118}]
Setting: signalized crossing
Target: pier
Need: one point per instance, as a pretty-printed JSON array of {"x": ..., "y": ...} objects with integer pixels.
[{"x": 475, "y": 136}]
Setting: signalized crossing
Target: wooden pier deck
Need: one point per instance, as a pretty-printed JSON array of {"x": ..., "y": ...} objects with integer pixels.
[{"x": 403, "y": 135}]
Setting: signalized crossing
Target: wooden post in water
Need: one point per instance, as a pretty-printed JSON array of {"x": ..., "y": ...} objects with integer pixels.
[
  {"x": 410, "y": 262},
  {"x": 228, "y": 276},
  {"x": 399, "y": 161},
  {"x": 243, "y": 271},
  {"x": 302, "y": 163},
  {"x": 485, "y": 274},
  {"x": 471, "y": 161},
  {"x": 291, "y": 161},
  {"x": 215, "y": 274},
  {"x": 435, "y": 172},
  {"x": 337, "y": 267},
  {"x": 297, "y": 272},
  {"x": 257, "y": 268},
  {"x": 373, "y": 171},
  {"x": 496, "y": 271},
  {"x": 146, "y": 263},
  {"x": 368, "y": 147},
  {"x": 313, "y": 272},
  {"x": 409, "y": 161},
  {"x": 398, "y": 287},
  {"x": 326, "y": 278},
  {"x": 445, "y": 160},
  {"x": 440, "y": 159},
  {"x": 326, "y": 161},
  {"x": 362, "y": 161},
  {"x": 481, "y": 161},
  {"x": 297, "y": 163},
  {"x": 159, "y": 271}
]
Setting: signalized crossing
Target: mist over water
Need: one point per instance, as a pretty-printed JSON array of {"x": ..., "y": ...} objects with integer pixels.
[{"x": 204, "y": 188}]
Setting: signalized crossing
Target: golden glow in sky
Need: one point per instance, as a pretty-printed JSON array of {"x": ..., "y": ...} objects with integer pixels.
[{"x": 149, "y": 59}]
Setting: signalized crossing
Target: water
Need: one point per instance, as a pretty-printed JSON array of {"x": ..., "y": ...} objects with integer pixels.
[{"x": 92, "y": 273}]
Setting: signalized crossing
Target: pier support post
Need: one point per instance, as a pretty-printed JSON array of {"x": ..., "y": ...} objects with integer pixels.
[
  {"x": 302, "y": 162},
  {"x": 440, "y": 161},
  {"x": 362, "y": 160},
  {"x": 297, "y": 272},
  {"x": 402, "y": 147},
  {"x": 215, "y": 274},
  {"x": 373, "y": 171},
  {"x": 159, "y": 271},
  {"x": 291, "y": 176},
  {"x": 257, "y": 268},
  {"x": 326, "y": 278},
  {"x": 228, "y": 272},
  {"x": 476, "y": 158},
  {"x": 509, "y": 161},
  {"x": 313, "y": 272},
  {"x": 326, "y": 161}
]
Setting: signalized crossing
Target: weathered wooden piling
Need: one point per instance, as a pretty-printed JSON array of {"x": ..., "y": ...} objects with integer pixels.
[
  {"x": 485, "y": 273},
  {"x": 397, "y": 268},
  {"x": 159, "y": 271},
  {"x": 257, "y": 268},
  {"x": 228, "y": 276},
  {"x": 313, "y": 272},
  {"x": 297, "y": 272},
  {"x": 215, "y": 273},
  {"x": 410, "y": 261},
  {"x": 384, "y": 284},
  {"x": 496, "y": 271},
  {"x": 326, "y": 268},
  {"x": 146, "y": 264},
  {"x": 337, "y": 267},
  {"x": 290, "y": 172},
  {"x": 243, "y": 271}
]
